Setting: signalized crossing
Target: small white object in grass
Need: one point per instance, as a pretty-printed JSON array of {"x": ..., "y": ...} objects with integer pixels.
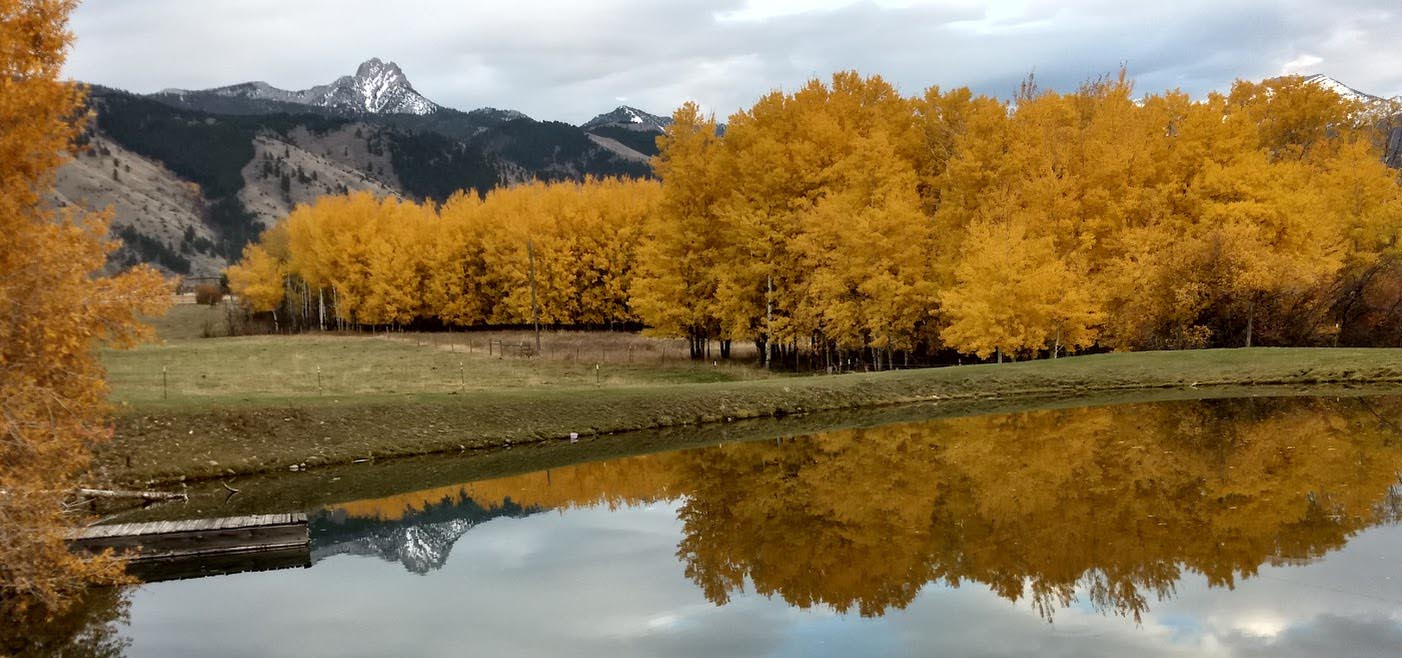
[{"x": 574, "y": 436}]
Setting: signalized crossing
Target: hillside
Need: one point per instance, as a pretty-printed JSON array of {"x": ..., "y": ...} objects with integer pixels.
[{"x": 193, "y": 175}]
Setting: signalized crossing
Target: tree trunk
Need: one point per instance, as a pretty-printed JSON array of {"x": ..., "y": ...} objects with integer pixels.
[
  {"x": 769, "y": 313},
  {"x": 1250, "y": 321}
]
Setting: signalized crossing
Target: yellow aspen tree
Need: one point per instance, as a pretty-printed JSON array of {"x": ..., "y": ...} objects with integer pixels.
[
  {"x": 674, "y": 289},
  {"x": 1013, "y": 295},
  {"x": 459, "y": 291},
  {"x": 867, "y": 243},
  {"x": 397, "y": 265},
  {"x": 59, "y": 308},
  {"x": 257, "y": 280}
]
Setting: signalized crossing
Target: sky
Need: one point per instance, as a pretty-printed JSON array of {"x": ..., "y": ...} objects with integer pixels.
[
  {"x": 602, "y": 582},
  {"x": 568, "y": 60}
]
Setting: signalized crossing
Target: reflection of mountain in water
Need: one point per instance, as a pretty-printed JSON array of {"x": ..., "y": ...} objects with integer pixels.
[
  {"x": 420, "y": 539},
  {"x": 1110, "y": 506}
]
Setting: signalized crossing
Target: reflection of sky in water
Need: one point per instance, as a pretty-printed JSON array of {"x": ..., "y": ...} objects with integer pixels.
[{"x": 593, "y": 582}]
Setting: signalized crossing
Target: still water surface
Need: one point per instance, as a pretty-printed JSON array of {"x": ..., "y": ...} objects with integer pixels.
[{"x": 1216, "y": 528}]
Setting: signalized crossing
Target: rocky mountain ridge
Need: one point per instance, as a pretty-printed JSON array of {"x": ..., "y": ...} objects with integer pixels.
[
  {"x": 377, "y": 87},
  {"x": 1347, "y": 92},
  {"x": 212, "y": 168}
]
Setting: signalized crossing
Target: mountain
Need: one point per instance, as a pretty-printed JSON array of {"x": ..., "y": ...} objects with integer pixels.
[
  {"x": 192, "y": 176},
  {"x": 421, "y": 540},
  {"x": 376, "y": 88},
  {"x": 629, "y": 118},
  {"x": 1386, "y": 112},
  {"x": 1343, "y": 90},
  {"x": 627, "y": 131}
]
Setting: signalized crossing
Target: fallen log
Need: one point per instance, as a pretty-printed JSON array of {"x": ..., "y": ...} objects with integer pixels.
[{"x": 143, "y": 495}]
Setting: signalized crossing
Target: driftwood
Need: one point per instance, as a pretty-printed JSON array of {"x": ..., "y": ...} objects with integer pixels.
[{"x": 143, "y": 495}]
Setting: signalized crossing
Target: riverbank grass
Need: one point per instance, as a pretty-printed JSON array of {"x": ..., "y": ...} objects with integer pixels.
[{"x": 200, "y": 408}]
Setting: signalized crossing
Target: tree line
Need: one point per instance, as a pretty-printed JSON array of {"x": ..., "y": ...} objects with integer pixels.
[
  {"x": 562, "y": 253},
  {"x": 844, "y": 222},
  {"x": 862, "y": 519}
]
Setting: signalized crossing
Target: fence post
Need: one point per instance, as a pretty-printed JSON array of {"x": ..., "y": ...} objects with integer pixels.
[{"x": 165, "y": 385}]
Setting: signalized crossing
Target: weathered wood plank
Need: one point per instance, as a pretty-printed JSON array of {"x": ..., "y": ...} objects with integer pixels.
[
  {"x": 195, "y": 525},
  {"x": 197, "y": 537}
]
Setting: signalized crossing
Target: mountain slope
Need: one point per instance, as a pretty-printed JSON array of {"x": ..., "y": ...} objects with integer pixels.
[
  {"x": 628, "y": 131},
  {"x": 224, "y": 164},
  {"x": 1343, "y": 90},
  {"x": 630, "y": 118},
  {"x": 159, "y": 216}
]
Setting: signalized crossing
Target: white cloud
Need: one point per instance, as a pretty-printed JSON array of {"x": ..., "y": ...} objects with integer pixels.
[
  {"x": 556, "y": 59},
  {"x": 1305, "y": 63}
]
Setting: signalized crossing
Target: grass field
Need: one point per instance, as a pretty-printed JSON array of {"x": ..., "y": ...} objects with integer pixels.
[
  {"x": 258, "y": 369},
  {"x": 185, "y": 370},
  {"x": 252, "y": 404}
]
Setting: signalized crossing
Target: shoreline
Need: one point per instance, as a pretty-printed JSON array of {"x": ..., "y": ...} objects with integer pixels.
[
  {"x": 280, "y": 491},
  {"x": 163, "y": 445}
]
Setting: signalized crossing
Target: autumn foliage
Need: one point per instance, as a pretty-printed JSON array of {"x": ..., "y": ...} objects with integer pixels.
[
  {"x": 1040, "y": 508},
  {"x": 845, "y": 223},
  {"x": 358, "y": 260},
  {"x": 54, "y": 311}
]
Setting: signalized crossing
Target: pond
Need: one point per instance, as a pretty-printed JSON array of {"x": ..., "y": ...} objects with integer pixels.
[{"x": 1245, "y": 527}]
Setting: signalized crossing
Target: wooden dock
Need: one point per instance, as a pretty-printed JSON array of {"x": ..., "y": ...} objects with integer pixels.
[{"x": 167, "y": 550}]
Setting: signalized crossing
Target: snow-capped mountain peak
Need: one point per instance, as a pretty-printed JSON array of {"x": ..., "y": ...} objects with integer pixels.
[
  {"x": 1343, "y": 90},
  {"x": 378, "y": 87},
  {"x": 382, "y": 88}
]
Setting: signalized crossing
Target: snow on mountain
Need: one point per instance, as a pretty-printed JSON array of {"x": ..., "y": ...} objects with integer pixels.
[
  {"x": 420, "y": 548},
  {"x": 1342, "y": 89},
  {"x": 630, "y": 118},
  {"x": 377, "y": 87}
]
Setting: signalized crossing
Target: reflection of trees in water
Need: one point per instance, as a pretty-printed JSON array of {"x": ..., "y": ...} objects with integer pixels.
[
  {"x": 1117, "y": 503},
  {"x": 1112, "y": 504},
  {"x": 90, "y": 628}
]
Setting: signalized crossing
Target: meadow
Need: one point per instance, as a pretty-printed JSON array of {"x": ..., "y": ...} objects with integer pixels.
[{"x": 239, "y": 405}]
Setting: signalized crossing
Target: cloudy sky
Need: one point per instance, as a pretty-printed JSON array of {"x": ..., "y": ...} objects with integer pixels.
[
  {"x": 601, "y": 582},
  {"x": 568, "y": 60}
]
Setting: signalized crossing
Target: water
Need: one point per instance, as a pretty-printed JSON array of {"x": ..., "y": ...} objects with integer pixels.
[{"x": 1216, "y": 528}]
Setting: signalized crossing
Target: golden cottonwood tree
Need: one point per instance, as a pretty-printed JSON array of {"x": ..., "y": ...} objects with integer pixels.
[
  {"x": 461, "y": 288},
  {"x": 1012, "y": 295},
  {"x": 679, "y": 260},
  {"x": 844, "y": 223},
  {"x": 57, "y": 309},
  {"x": 258, "y": 279},
  {"x": 392, "y": 262}
]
